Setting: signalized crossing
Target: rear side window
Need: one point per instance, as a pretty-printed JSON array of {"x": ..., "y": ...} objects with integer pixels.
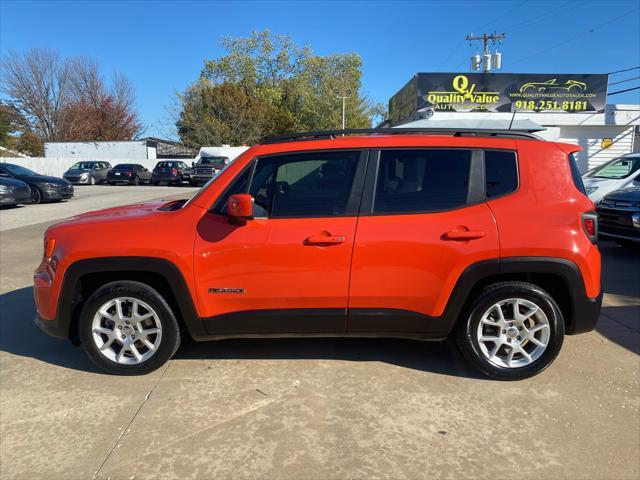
[
  {"x": 415, "y": 181},
  {"x": 501, "y": 173},
  {"x": 575, "y": 173}
]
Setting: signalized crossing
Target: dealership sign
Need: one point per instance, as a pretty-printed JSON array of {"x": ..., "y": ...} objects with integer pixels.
[{"x": 500, "y": 92}]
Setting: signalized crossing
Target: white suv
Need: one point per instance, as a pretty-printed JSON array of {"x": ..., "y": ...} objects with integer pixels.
[{"x": 619, "y": 173}]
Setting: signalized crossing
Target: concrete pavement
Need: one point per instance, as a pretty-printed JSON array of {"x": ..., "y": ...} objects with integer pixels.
[{"x": 316, "y": 408}]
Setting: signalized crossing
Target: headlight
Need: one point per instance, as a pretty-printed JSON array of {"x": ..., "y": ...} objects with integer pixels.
[
  {"x": 51, "y": 185},
  {"x": 5, "y": 189},
  {"x": 590, "y": 190},
  {"x": 84, "y": 175},
  {"x": 635, "y": 218}
]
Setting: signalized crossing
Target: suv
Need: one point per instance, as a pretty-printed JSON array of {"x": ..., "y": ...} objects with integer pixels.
[
  {"x": 487, "y": 236},
  {"x": 205, "y": 169},
  {"x": 170, "y": 171}
]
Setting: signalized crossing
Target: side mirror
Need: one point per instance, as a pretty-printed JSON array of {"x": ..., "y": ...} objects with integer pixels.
[{"x": 240, "y": 208}]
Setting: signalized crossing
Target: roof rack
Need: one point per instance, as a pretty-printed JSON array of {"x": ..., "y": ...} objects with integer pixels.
[{"x": 456, "y": 132}]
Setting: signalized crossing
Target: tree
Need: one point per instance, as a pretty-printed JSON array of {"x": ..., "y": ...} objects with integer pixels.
[
  {"x": 68, "y": 99},
  {"x": 291, "y": 88}
]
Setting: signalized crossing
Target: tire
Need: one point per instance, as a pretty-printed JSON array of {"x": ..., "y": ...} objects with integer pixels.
[
  {"x": 628, "y": 244},
  {"x": 165, "y": 340},
  {"x": 136, "y": 181},
  {"x": 511, "y": 335},
  {"x": 92, "y": 180},
  {"x": 155, "y": 184},
  {"x": 36, "y": 195},
  {"x": 193, "y": 184},
  {"x": 111, "y": 183}
]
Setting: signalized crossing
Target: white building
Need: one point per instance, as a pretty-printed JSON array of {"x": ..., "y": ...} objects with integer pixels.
[
  {"x": 144, "y": 149},
  {"x": 603, "y": 136}
]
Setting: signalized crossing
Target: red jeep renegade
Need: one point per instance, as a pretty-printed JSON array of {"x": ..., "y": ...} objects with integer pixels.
[{"x": 485, "y": 235}]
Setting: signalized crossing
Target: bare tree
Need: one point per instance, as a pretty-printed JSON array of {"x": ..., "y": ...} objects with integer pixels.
[
  {"x": 37, "y": 84},
  {"x": 68, "y": 99}
]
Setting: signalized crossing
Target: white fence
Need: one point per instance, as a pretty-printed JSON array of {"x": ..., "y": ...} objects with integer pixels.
[{"x": 56, "y": 166}]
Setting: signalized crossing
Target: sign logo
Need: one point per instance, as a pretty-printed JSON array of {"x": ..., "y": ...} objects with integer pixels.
[
  {"x": 226, "y": 290},
  {"x": 463, "y": 96}
]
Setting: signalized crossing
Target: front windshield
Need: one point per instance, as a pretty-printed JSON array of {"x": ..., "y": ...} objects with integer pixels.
[
  {"x": 619, "y": 168},
  {"x": 17, "y": 169},
  {"x": 213, "y": 161},
  {"x": 82, "y": 166}
]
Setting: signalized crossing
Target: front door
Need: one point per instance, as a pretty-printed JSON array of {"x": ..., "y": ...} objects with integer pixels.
[{"x": 287, "y": 270}]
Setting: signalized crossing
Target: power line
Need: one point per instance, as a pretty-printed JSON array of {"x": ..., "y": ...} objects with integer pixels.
[
  {"x": 590, "y": 30},
  {"x": 624, "y": 81},
  {"x": 625, "y": 70},
  {"x": 622, "y": 91}
]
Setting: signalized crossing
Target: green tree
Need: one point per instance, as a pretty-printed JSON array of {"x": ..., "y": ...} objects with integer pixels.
[{"x": 285, "y": 87}]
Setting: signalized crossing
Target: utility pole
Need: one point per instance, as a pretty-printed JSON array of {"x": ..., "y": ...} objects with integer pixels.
[
  {"x": 344, "y": 97},
  {"x": 488, "y": 59}
]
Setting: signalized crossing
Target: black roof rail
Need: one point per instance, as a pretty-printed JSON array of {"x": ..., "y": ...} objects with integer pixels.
[{"x": 456, "y": 132}]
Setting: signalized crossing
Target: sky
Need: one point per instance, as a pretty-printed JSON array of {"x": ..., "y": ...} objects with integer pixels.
[{"x": 161, "y": 45}]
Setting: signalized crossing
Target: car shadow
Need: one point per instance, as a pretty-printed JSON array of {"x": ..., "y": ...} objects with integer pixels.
[{"x": 20, "y": 336}]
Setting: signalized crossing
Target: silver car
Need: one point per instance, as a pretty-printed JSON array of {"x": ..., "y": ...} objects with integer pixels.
[{"x": 88, "y": 173}]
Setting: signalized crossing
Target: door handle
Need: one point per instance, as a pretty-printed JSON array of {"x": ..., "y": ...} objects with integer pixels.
[
  {"x": 325, "y": 240},
  {"x": 463, "y": 235}
]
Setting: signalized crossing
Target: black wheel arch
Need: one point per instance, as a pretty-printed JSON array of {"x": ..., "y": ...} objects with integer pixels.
[{"x": 83, "y": 277}]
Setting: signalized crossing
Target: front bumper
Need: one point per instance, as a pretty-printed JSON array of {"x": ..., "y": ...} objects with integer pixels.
[
  {"x": 78, "y": 180},
  {"x": 62, "y": 193},
  {"x": 14, "y": 198}
]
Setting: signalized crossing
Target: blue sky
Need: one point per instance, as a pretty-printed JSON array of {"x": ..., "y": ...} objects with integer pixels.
[{"x": 161, "y": 45}]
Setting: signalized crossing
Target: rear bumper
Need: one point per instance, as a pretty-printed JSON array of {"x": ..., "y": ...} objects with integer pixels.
[
  {"x": 586, "y": 312},
  {"x": 165, "y": 178},
  {"x": 53, "y": 328}
]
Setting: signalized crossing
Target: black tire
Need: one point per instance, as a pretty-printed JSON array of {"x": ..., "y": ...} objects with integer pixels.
[
  {"x": 193, "y": 184},
  {"x": 111, "y": 183},
  {"x": 155, "y": 184},
  {"x": 136, "y": 181},
  {"x": 628, "y": 244},
  {"x": 36, "y": 195},
  {"x": 466, "y": 329},
  {"x": 169, "y": 342}
]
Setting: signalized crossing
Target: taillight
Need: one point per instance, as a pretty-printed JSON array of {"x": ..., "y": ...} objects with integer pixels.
[
  {"x": 590, "y": 225},
  {"x": 128, "y": 174},
  {"x": 174, "y": 171}
]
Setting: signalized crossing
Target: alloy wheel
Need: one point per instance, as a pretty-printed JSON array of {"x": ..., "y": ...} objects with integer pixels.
[
  {"x": 126, "y": 330},
  {"x": 513, "y": 333}
]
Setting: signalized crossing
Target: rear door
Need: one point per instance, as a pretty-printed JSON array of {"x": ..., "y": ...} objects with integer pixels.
[
  {"x": 423, "y": 220},
  {"x": 286, "y": 270}
]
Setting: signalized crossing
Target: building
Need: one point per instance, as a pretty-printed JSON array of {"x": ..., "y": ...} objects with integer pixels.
[
  {"x": 566, "y": 108},
  {"x": 149, "y": 148}
]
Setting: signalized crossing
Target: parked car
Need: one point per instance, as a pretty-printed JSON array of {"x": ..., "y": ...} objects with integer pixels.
[
  {"x": 619, "y": 173},
  {"x": 131, "y": 173},
  {"x": 43, "y": 188},
  {"x": 210, "y": 161},
  {"x": 393, "y": 233},
  {"x": 619, "y": 216},
  {"x": 170, "y": 171},
  {"x": 13, "y": 192},
  {"x": 88, "y": 173}
]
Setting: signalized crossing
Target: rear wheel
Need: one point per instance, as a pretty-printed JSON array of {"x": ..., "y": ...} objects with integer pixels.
[
  {"x": 127, "y": 328},
  {"x": 136, "y": 181},
  {"x": 512, "y": 331}
]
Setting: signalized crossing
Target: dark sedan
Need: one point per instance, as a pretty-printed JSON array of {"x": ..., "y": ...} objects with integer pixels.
[
  {"x": 171, "y": 171},
  {"x": 88, "y": 173},
  {"x": 13, "y": 192},
  {"x": 43, "y": 188},
  {"x": 619, "y": 216},
  {"x": 131, "y": 173}
]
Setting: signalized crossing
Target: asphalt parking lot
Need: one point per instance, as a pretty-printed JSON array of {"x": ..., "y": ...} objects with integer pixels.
[{"x": 309, "y": 408}]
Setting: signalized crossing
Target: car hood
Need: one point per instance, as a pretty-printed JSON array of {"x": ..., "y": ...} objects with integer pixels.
[
  {"x": 77, "y": 170},
  {"x": 117, "y": 214},
  {"x": 631, "y": 194},
  {"x": 12, "y": 182},
  {"x": 42, "y": 179}
]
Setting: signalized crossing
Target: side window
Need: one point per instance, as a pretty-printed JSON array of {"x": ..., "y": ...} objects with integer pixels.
[
  {"x": 575, "y": 173},
  {"x": 414, "y": 181},
  {"x": 304, "y": 185},
  {"x": 239, "y": 185},
  {"x": 501, "y": 172}
]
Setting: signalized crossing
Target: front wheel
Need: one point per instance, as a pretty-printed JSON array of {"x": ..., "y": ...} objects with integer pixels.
[
  {"x": 127, "y": 328},
  {"x": 36, "y": 195},
  {"x": 92, "y": 180},
  {"x": 512, "y": 331}
]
